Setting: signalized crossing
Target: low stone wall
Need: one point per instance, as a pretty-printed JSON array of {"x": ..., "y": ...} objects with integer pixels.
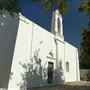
[{"x": 83, "y": 73}]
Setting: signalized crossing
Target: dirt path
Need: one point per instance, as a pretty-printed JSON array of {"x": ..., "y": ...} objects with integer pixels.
[{"x": 67, "y": 86}]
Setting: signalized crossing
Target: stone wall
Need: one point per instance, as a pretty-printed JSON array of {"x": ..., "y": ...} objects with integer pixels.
[{"x": 83, "y": 73}]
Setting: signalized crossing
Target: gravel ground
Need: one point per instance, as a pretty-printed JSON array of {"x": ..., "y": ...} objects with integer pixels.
[{"x": 82, "y": 85}]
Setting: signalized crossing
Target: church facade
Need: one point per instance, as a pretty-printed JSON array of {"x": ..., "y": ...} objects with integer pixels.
[{"x": 42, "y": 58}]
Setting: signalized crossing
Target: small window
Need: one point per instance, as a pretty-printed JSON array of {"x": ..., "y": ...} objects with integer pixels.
[{"x": 67, "y": 66}]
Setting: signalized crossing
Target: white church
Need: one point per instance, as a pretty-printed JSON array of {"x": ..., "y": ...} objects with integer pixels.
[{"x": 30, "y": 56}]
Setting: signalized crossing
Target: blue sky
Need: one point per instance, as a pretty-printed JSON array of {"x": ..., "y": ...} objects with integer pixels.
[{"x": 72, "y": 21}]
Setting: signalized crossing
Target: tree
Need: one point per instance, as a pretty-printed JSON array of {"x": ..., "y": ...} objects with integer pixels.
[
  {"x": 62, "y": 5},
  {"x": 85, "y": 32},
  {"x": 10, "y": 5},
  {"x": 85, "y": 49}
]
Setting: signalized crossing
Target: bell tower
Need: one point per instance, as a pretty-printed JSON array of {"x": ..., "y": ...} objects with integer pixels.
[{"x": 56, "y": 24}]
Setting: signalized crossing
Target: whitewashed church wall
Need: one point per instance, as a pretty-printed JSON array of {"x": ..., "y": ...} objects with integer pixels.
[
  {"x": 21, "y": 55},
  {"x": 61, "y": 58},
  {"x": 47, "y": 39},
  {"x": 71, "y": 58},
  {"x": 8, "y": 33},
  {"x": 31, "y": 39},
  {"x": 34, "y": 48},
  {"x": 43, "y": 42}
]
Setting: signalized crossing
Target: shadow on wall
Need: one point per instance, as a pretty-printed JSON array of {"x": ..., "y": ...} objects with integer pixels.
[
  {"x": 60, "y": 71},
  {"x": 36, "y": 75},
  {"x": 8, "y": 32}
]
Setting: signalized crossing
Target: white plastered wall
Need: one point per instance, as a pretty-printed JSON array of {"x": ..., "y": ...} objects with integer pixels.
[
  {"x": 8, "y": 33},
  {"x": 32, "y": 38},
  {"x": 28, "y": 40},
  {"x": 71, "y": 56}
]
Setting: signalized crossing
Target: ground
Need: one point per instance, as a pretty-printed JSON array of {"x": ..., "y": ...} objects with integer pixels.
[{"x": 82, "y": 85}]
